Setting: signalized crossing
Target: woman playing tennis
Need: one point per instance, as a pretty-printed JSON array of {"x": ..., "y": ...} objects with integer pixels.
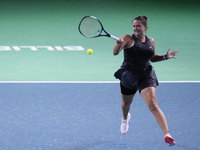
[{"x": 136, "y": 73}]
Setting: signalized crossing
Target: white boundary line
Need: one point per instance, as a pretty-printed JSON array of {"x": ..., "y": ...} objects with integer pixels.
[
  {"x": 90, "y": 81},
  {"x": 179, "y": 81}
]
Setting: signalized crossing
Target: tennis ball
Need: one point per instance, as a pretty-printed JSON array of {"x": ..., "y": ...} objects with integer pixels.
[{"x": 89, "y": 51}]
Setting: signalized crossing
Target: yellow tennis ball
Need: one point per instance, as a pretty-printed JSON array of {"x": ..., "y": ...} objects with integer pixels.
[{"x": 89, "y": 51}]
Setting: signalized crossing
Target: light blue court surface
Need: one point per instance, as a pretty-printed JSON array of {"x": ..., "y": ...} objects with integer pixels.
[{"x": 87, "y": 116}]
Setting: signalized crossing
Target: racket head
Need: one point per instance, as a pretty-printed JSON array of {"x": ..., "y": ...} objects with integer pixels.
[{"x": 90, "y": 27}]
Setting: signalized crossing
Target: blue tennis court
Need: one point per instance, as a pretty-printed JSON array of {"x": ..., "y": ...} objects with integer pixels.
[{"x": 87, "y": 116}]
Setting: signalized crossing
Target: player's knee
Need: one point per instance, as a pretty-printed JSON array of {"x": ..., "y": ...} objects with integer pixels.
[
  {"x": 126, "y": 103},
  {"x": 153, "y": 106},
  {"x": 127, "y": 100}
]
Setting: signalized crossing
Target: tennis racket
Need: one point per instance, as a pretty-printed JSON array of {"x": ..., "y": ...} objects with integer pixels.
[{"x": 91, "y": 27}]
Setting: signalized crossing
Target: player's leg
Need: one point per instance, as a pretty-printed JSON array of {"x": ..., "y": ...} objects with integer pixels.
[
  {"x": 126, "y": 104},
  {"x": 127, "y": 99},
  {"x": 149, "y": 95}
]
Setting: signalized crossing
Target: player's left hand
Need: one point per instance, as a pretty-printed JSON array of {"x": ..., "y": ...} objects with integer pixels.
[{"x": 172, "y": 54}]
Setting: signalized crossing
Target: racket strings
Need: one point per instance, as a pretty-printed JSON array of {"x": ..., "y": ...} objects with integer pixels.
[{"x": 90, "y": 27}]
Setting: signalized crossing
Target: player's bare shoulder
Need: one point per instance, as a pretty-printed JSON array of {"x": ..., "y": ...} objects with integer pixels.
[
  {"x": 151, "y": 39},
  {"x": 128, "y": 40}
]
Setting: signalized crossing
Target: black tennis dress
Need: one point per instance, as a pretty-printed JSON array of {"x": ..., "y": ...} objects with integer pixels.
[{"x": 136, "y": 71}]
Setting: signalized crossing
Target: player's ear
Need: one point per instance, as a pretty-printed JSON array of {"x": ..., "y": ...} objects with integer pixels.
[{"x": 145, "y": 28}]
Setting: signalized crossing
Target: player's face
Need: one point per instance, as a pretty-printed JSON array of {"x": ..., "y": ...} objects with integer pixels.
[{"x": 138, "y": 28}]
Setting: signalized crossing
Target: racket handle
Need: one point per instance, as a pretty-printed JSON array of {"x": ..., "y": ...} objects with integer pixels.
[{"x": 114, "y": 37}]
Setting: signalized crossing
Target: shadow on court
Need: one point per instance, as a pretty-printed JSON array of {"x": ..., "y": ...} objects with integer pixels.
[{"x": 87, "y": 116}]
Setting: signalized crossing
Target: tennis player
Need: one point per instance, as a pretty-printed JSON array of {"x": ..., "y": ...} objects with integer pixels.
[{"x": 137, "y": 73}]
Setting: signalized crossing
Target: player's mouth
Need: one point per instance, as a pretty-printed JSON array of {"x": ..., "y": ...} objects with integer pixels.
[{"x": 136, "y": 31}]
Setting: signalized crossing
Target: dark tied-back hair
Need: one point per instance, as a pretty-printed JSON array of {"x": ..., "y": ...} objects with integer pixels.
[{"x": 143, "y": 19}]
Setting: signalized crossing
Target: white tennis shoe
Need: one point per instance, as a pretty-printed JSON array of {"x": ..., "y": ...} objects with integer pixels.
[{"x": 124, "y": 125}]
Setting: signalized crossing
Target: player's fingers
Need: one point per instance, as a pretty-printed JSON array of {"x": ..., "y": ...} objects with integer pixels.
[
  {"x": 119, "y": 41},
  {"x": 175, "y": 50}
]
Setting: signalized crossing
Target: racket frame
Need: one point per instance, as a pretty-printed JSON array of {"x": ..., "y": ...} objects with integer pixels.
[{"x": 100, "y": 33}]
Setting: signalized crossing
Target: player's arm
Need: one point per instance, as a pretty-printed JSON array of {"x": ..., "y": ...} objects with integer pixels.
[
  {"x": 157, "y": 57},
  {"x": 121, "y": 44}
]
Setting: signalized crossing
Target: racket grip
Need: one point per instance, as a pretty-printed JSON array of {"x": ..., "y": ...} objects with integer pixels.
[{"x": 114, "y": 37}]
